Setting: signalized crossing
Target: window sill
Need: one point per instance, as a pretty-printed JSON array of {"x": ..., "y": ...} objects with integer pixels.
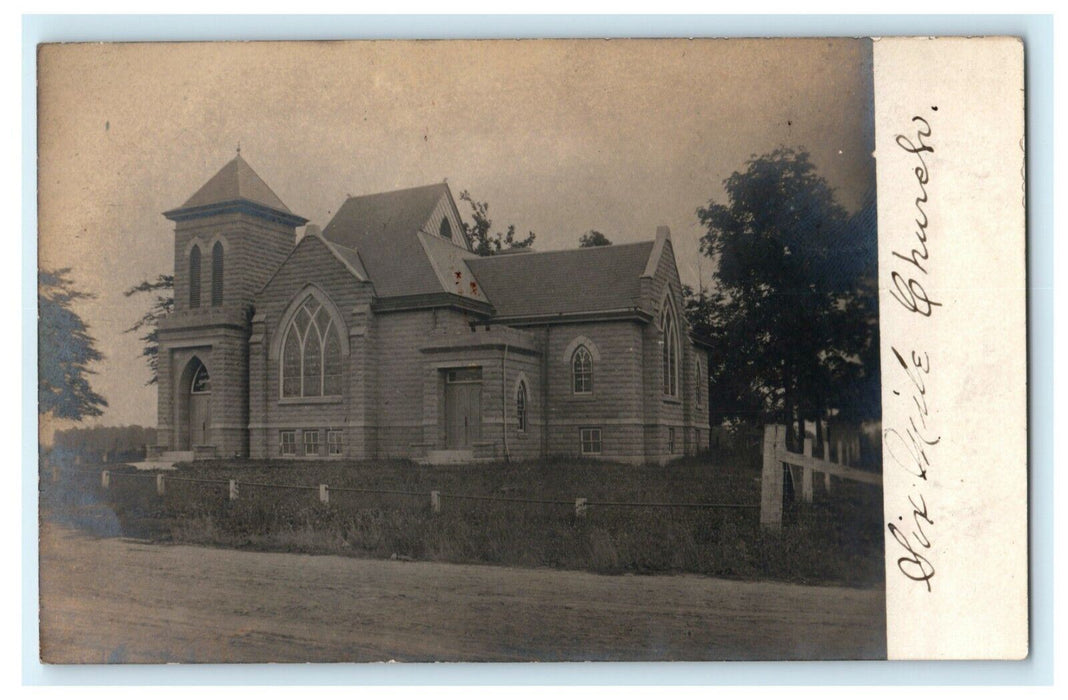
[
  {"x": 672, "y": 400},
  {"x": 582, "y": 397},
  {"x": 292, "y": 400}
]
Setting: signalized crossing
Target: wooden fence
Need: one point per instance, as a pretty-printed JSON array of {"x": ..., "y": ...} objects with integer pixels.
[{"x": 801, "y": 468}]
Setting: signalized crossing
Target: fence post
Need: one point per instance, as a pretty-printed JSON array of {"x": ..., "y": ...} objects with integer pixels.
[
  {"x": 771, "y": 482},
  {"x": 159, "y": 485},
  {"x": 105, "y": 479},
  {"x": 324, "y": 493},
  {"x": 827, "y": 481},
  {"x": 806, "y": 472},
  {"x": 580, "y": 507},
  {"x": 233, "y": 489},
  {"x": 435, "y": 501}
]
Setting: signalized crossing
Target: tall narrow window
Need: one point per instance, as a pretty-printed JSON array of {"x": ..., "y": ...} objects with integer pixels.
[
  {"x": 697, "y": 381},
  {"x": 582, "y": 371},
  {"x": 521, "y": 407},
  {"x": 194, "y": 278},
  {"x": 671, "y": 351},
  {"x": 445, "y": 229},
  {"x": 311, "y": 354},
  {"x": 217, "y": 274}
]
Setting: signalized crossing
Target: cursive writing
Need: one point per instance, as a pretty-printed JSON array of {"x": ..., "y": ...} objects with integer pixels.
[
  {"x": 908, "y": 286},
  {"x": 911, "y": 441},
  {"x": 915, "y": 564}
]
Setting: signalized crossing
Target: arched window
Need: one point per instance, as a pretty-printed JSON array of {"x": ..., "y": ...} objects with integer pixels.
[
  {"x": 201, "y": 381},
  {"x": 311, "y": 353},
  {"x": 445, "y": 229},
  {"x": 521, "y": 407},
  {"x": 217, "y": 274},
  {"x": 697, "y": 381},
  {"x": 670, "y": 342},
  {"x": 582, "y": 371},
  {"x": 194, "y": 277}
]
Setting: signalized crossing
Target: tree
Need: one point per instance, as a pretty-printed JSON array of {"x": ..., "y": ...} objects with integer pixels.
[
  {"x": 482, "y": 241},
  {"x": 592, "y": 239},
  {"x": 162, "y": 304},
  {"x": 790, "y": 325},
  {"x": 65, "y": 351}
]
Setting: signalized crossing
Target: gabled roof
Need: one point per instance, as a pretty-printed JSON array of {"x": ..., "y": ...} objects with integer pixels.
[
  {"x": 584, "y": 280},
  {"x": 236, "y": 181},
  {"x": 349, "y": 258},
  {"x": 450, "y": 264},
  {"x": 384, "y": 228}
]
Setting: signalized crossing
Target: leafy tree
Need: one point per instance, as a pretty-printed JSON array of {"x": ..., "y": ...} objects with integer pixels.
[
  {"x": 790, "y": 321},
  {"x": 65, "y": 351},
  {"x": 732, "y": 395},
  {"x": 592, "y": 239},
  {"x": 162, "y": 290},
  {"x": 479, "y": 233}
]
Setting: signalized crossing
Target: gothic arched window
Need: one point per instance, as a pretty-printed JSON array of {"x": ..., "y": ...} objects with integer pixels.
[
  {"x": 445, "y": 229},
  {"x": 311, "y": 353},
  {"x": 217, "y": 274},
  {"x": 670, "y": 341},
  {"x": 697, "y": 380},
  {"x": 201, "y": 383},
  {"x": 582, "y": 371},
  {"x": 194, "y": 277},
  {"x": 521, "y": 407}
]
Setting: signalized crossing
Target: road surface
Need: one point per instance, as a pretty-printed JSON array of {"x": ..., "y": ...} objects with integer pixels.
[{"x": 112, "y": 600}]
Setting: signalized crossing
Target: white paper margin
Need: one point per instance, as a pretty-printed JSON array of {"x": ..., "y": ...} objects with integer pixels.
[{"x": 949, "y": 135}]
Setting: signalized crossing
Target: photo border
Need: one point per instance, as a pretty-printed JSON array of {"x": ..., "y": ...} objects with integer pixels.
[{"x": 1037, "y": 32}]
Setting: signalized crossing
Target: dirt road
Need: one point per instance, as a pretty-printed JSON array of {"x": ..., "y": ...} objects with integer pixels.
[{"x": 114, "y": 600}]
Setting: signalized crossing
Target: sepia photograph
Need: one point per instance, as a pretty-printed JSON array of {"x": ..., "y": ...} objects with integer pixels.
[{"x": 479, "y": 350}]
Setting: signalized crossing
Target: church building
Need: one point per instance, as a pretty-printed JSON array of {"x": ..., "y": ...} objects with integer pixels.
[{"x": 385, "y": 336}]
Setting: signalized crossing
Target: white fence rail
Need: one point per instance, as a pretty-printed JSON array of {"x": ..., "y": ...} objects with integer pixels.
[{"x": 778, "y": 461}]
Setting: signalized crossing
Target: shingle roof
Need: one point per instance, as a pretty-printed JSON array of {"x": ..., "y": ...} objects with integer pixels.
[
  {"x": 605, "y": 278},
  {"x": 383, "y": 228},
  {"x": 236, "y": 181}
]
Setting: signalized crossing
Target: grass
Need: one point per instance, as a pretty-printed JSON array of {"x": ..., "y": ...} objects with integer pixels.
[{"x": 835, "y": 540}]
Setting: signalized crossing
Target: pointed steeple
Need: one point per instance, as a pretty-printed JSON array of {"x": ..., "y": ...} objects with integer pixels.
[{"x": 236, "y": 187}]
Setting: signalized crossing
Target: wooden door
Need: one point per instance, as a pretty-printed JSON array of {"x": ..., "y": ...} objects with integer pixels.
[
  {"x": 463, "y": 404},
  {"x": 199, "y": 419}
]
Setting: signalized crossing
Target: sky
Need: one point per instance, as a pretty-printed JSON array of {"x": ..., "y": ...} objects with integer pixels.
[{"x": 559, "y": 137}]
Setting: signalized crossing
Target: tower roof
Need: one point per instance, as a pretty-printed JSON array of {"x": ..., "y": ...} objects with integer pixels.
[{"x": 235, "y": 183}]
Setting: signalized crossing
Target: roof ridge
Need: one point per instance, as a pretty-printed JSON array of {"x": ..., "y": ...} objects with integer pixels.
[
  {"x": 398, "y": 191},
  {"x": 523, "y": 256}
]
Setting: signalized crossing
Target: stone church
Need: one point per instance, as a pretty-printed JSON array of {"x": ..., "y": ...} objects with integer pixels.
[{"x": 385, "y": 336}]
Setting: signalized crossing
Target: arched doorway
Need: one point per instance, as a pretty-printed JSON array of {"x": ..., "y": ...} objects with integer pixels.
[{"x": 196, "y": 395}]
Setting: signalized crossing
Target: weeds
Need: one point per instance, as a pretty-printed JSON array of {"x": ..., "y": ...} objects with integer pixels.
[{"x": 837, "y": 539}]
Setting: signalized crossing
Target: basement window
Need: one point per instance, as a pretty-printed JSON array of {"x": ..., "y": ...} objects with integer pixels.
[
  {"x": 287, "y": 442},
  {"x": 333, "y": 442},
  {"x": 311, "y": 443},
  {"x": 591, "y": 440}
]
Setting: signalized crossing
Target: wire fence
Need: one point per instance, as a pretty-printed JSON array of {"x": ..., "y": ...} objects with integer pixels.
[{"x": 433, "y": 498}]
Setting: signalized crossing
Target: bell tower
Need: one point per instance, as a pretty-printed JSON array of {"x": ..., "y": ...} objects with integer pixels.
[{"x": 229, "y": 238}]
